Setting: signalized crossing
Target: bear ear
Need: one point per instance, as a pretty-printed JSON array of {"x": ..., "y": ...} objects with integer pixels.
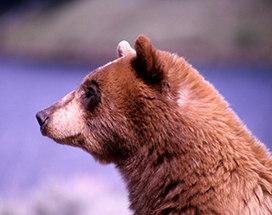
[
  {"x": 147, "y": 61},
  {"x": 124, "y": 48}
]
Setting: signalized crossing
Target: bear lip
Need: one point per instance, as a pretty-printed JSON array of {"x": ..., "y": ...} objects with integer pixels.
[
  {"x": 42, "y": 127},
  {"x": 43, "y": 131}
]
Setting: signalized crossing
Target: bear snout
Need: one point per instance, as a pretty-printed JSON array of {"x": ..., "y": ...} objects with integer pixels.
[{"x": 42, "y": 118}]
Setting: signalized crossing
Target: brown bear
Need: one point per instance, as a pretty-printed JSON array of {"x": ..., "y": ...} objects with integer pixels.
[{"x": 177, "y": 144}]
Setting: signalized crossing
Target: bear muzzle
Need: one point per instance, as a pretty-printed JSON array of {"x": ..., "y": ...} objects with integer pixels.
[{"x": 42, "y": 118}]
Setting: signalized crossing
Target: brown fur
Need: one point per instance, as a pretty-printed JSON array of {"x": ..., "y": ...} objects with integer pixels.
[{"x": 177, "y": 144}]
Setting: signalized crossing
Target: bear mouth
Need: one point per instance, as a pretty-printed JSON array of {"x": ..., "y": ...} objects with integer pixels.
[{"x": 43, "y": 130}]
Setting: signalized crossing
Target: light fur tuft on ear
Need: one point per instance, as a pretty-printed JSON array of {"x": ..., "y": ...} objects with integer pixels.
[{"x": 124, "y": 48}]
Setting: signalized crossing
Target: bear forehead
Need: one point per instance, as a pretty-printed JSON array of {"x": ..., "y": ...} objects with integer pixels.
[{"x": 119, "y": 71}]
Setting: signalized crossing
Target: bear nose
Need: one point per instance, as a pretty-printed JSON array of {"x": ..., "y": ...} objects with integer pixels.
[{"x": 42, "y": 117}]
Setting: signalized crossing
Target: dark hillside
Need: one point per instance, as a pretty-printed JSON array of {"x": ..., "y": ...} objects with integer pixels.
[{"x": 87, "y": 31}]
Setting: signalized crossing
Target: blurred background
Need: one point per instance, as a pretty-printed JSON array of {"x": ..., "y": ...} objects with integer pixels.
[{"x": 48, "y": 46}]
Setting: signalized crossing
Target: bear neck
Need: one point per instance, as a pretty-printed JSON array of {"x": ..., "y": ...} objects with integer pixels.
[
  {"x": 190, "y": 180},
  {"x": 182, "y": 165}
]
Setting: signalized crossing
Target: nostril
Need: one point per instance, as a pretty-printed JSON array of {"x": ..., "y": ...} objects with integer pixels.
[{"x": 42, "y": 117}]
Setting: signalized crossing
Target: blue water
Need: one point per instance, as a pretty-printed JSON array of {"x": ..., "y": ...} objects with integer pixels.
[{"x": 27, "y": 158}]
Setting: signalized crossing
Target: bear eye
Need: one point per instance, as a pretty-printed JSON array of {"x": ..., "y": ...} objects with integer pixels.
[
  {"x": 90, "y": 92},
  {"x": 92, "y": 96}
]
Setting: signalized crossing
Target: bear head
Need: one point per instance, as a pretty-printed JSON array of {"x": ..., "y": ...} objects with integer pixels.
[{"x": 118, "y": 107}]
